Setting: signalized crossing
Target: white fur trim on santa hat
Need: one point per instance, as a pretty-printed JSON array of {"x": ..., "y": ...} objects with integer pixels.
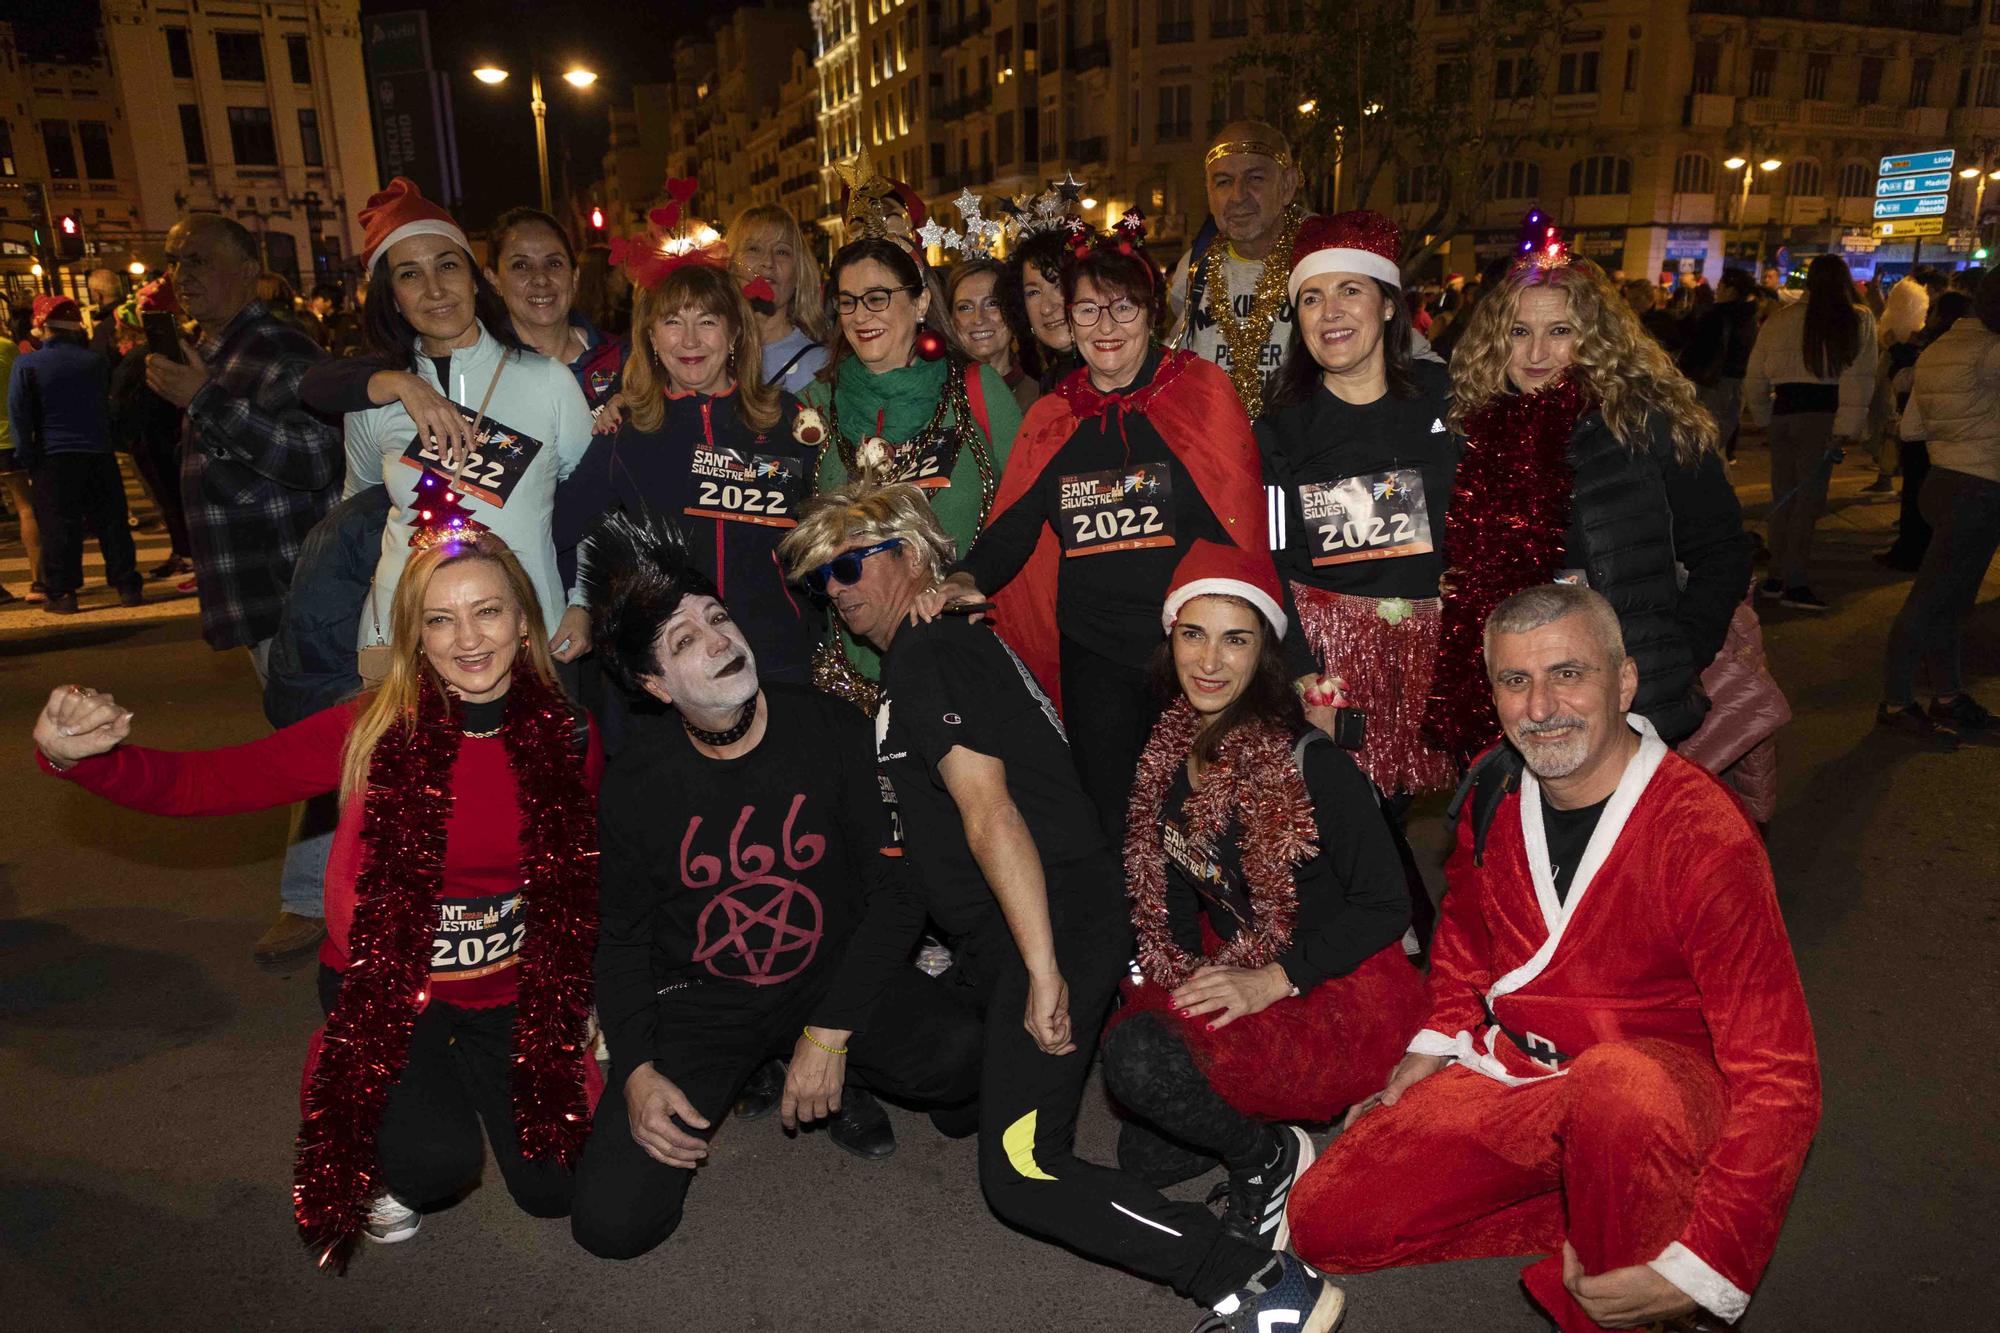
[
  {"x": 419, "y": 227},
  {"x": 1249, "y": 592},
  {"x": 1337, "y": 260}
]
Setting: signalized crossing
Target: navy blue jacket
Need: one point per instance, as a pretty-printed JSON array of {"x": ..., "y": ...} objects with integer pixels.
[
  {"x": 312, "y": 664},
  {"x": 58, "y": 402}
]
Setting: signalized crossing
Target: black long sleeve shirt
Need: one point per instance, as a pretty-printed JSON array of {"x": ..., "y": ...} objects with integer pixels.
[
  {"x": 750, "y": 876},
  {"x": 1352, "y": 898},
  {"x": 1107, "y": 599}
]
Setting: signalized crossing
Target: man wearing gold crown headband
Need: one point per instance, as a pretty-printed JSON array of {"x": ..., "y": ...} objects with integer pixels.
[{"x": 1228, "y": 291}]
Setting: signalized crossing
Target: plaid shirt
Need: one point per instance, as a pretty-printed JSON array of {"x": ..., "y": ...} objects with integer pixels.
[{"x": 257, "y": 472}]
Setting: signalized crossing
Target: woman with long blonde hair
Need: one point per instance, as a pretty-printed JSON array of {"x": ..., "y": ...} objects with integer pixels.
[
  {"x": 767, "y": 242},
  {"x": 461, "y": 897},
  {"x": 1588, "y": 459},
  {"x": 710, "y": 447}
]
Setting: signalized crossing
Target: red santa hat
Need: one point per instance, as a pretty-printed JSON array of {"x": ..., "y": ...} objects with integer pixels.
[
  {"x": 57, "y": 312},
  {"x": 1211, "y": 569},
  {"x": 398, "y": 212},
  {"x": 1361, "y": 241}
]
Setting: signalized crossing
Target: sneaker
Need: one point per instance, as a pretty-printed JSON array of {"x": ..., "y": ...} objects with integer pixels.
[
  {"x": 62, "y": 604},
  {"x": 390, "y": 1221},
  {"x": 1884, "y": 484},
  {"x": 1771, "y": 589},
  {"x": 760, "y": 1096},
  {"x": 1910, "y": 720},
  {"x": 132, "y": 596},
  {"x": 291, "y": 940},
  {"x": 1802, "y": 598},
  {"x": 1257, "y": 1198},
  {"x": 185, "y": 585},
  {"x": 171, "y": 566},
  {"x": 861, "y": 1126},
  {"x": 1289, "y": 1294},
  {"x": 1963, "y": 713}
]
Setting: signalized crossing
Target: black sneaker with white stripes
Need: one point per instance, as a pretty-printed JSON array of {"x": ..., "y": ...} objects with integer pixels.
[
  {"x": 1257, "y": 1197},
  {"x": 1289, "y": 1295}
]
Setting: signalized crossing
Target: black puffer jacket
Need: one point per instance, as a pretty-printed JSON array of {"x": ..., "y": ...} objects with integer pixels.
[
  {"x": 313, "y": 663},
  {"x": 1664, "y": 542}
]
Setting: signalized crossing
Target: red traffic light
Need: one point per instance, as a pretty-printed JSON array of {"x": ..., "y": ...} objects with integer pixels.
[
  {"x": 596, "y": 218},
  {"x": 68, "y": 224}
]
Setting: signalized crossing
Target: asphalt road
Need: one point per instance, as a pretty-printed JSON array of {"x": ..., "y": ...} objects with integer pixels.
[{"x": 149, "y": 1073}]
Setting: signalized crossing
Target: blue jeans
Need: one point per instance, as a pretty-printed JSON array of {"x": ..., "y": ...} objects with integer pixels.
[
  {"x": 1964, "y": 512},
  {"x": 302, "y": 885}
]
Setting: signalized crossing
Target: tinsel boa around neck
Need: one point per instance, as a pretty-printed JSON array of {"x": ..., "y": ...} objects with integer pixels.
[
  {"x": 1252, "y": 783},
  {"x": 1510, "y": 509},
  {"x": 367, "y": 1037}
]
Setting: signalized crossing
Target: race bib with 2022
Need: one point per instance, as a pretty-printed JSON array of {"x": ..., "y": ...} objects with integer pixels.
[
  {"x": 743, "y": 486},
  {"x": 1379, "y": 516},
  {"x": 1128, "y": 509},
  {"x": 475, "y": 936},
  {"x": 500, "y": 458}
]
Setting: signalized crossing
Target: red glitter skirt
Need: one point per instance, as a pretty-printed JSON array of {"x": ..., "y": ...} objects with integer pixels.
[{"x": 1387, "y": 673}]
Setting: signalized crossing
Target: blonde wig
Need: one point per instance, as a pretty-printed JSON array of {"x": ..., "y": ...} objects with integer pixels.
[
  {"x": 710, "y": 291},
  {"x": 1629, "y": 376},
  {"x": 395, "y": 702},
  {"x": 808, "y": 308},
  {"x": 866, "y": 512}
]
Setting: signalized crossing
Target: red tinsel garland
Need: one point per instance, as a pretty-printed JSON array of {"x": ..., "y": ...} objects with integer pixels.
[
  {"x": 1509, "y": 511},
  {"x": 367, "y": 1036},
  {"x": 1254, "y": 781}
]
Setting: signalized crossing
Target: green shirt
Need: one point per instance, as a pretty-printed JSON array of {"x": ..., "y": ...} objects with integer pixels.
[{"x": 906, "y": 400}]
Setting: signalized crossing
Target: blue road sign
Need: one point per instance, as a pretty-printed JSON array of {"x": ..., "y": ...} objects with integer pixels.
[
  {"x": 1930, "y": 183},
  {"x": 1912, "y": 206},
  {"x": 1902, "y": 164}
]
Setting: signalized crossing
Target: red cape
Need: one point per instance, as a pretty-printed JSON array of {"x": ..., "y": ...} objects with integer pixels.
[{"x": 1195, "y": 408}]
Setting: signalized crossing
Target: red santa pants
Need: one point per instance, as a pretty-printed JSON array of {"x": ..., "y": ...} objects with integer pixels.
[{"x": 1464, "y": 1167}]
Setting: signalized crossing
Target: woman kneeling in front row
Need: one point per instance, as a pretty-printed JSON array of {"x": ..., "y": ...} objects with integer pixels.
[{"x": 1269, "y": 904}]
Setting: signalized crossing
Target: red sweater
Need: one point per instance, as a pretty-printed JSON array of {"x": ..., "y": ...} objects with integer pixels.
[{"x": 476, "y": 946}]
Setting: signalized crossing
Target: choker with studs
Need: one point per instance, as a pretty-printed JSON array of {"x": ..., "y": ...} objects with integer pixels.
[{"x": 732, "y": 735}]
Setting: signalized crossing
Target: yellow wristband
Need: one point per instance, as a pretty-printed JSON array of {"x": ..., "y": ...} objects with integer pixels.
[{"x": 830, "y": 1050}]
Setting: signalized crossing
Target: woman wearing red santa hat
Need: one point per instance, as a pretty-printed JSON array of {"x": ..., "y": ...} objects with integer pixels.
[
  {"x": 1130, "y": 461},
  {"x": 461, "y": 897},
  {"x": 456, "y": 398},
  {"x": 1269, "y": 905},
  {"x": 1359, "y": 463}
]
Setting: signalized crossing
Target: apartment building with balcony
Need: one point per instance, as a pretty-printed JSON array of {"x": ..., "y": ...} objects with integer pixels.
[
  {"x": 784, "y": 149},
  {"x": 1642, "y": 105}
]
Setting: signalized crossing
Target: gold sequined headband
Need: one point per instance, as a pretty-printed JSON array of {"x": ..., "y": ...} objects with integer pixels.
[{"x": 1275, "y": 150}]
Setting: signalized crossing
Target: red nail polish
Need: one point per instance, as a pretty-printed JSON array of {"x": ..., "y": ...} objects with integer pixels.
[{"x": 1211, "y": 1027}]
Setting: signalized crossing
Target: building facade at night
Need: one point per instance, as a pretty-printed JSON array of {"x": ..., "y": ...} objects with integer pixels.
[{"x": 254, "y": 111}]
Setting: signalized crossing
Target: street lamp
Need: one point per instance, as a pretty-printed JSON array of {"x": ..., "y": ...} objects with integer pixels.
[
  {"x": 1982, "y": 175},
  {"x": 136, "y": 269},
  {"x": 1742, "y": 163},
  {"x": 576, "y": 77}
]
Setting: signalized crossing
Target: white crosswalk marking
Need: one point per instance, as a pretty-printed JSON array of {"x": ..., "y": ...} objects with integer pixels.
[{"x": 164, "y": 600}]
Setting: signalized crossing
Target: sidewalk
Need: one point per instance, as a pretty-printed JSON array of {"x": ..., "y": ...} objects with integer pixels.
[{"x": 98, "y": 604}]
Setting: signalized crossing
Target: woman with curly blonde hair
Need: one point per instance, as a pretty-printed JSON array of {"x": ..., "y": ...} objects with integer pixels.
[{"x": 1588, "y": 459}]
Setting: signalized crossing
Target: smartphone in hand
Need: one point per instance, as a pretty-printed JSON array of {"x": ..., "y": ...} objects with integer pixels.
[{"x": 163, "y": 335}]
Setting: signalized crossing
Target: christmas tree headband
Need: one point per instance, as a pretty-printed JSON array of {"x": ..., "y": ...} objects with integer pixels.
[{"x": 873, "y": 207}]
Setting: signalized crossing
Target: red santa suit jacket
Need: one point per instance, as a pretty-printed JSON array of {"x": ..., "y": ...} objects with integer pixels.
[
  {"x": 1194, "y": 407},
  {"x": 1670, "y": 931}
]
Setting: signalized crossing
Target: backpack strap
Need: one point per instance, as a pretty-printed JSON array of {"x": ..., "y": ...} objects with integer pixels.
[
  {"x": 1306, "y": 739},
  {"x": 1486, "y": 784}
]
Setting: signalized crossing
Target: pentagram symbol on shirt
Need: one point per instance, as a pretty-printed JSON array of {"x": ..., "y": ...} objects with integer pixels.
[{"x": 761, "y": 931}]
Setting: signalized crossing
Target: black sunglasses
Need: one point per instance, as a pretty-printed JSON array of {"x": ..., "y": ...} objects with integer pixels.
[{"x": 844, "y": 568}]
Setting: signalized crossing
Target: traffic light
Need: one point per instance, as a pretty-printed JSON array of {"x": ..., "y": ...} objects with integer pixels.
[
  {"x": 36, "y": 197},
  {"x": 1980, "y": 254},
  {"x": 596, "y": 218},
  {"x": 69, "y": 237}
]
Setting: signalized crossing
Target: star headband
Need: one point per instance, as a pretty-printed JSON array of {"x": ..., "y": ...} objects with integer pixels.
[
  {"x": 1032, "y": 214},
  {"x": 978, "y": 238},
  {"x": 873, "y": 207}
]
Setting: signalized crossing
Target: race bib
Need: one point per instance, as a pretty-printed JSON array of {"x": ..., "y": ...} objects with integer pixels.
[
  {"x": 475, "y": 936},
  {"x": 929, "y": 469},
  {"x": 1125, "y": 510},
  {"x": 1375, "y": 517},
  {"x": 500, "y": 458},
  {"x": 740, "y": 486}
]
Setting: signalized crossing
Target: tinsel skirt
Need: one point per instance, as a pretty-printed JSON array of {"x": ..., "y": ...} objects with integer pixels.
[{"x": 1386, "y": 670}]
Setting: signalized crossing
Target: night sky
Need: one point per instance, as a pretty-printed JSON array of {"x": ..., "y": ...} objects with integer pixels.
[{"x": 625, "y": 43}]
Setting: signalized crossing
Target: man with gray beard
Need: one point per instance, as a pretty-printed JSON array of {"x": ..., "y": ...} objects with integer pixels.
[{"x": 1617, "y": 1073}]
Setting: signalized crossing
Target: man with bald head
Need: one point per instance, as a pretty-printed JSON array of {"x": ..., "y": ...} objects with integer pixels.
[
  {"x": 1228, "y": 291},
  {"x": 257, "y": 472},
  {"x": 1618, "y": 1072}
]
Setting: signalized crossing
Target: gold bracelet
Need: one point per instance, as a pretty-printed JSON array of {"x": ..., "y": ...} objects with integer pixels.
[{"x": 830, "y": 1050}]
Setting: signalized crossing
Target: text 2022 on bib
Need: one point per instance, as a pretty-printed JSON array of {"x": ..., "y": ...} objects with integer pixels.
[
  {"x": 1127, "y": 509},
  {"x": 744, "y": 487},
  {"x": 1374, "y": 517}
]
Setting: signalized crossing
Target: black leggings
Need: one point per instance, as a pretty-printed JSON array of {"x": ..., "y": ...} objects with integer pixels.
[
  {"x": 1177, "y": 1125},
  {"x": 1028, "y": 1166},
  {"x": 918, "y": 1046},
  {"x": 458, "y": 1078},
  {"x": 1109, "y": 710}
]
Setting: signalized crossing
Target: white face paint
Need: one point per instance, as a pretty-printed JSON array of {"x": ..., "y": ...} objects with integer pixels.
[{"x": 705, "y": 667}]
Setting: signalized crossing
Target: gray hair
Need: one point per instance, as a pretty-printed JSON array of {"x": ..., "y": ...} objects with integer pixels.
[
  {"x": 235, "y": 232},
  {"x": 1546, "y": 603}
]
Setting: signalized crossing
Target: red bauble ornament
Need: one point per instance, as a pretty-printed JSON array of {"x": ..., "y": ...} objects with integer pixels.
[{"x": 930, "y": 344}]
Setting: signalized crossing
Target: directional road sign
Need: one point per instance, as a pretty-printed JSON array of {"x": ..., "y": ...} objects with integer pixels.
[
  {"x": 1929, "y": 183},
  {"x": 1912, "y": 206},
  {"x": 1904, "y": 163},
  {"x": 1906, "y": 228}
]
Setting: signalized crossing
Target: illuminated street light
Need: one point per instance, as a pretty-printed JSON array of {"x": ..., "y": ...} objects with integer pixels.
[
  {"x": 577, "y": 77},
  {"x": 1734, "y": 163},
  {"x": 136, "y": 269},
  {"x": 1089, "y": 201},
  {"x": 1307, "y": 107},
  {"x": 35, "y": 270},
  {"x": 1968, "y": 173},
  {"x": 1769, "y": 164}
]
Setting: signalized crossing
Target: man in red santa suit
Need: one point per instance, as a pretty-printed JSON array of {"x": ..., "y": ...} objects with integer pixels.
[{"x": 1618, "y": 1070}]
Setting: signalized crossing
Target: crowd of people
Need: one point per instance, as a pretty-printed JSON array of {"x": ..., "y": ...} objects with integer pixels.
[{"x": 916, "y": 681}]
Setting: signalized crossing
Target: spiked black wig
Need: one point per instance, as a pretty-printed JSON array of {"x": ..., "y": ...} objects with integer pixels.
[{"x": 634, "y": 573}]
